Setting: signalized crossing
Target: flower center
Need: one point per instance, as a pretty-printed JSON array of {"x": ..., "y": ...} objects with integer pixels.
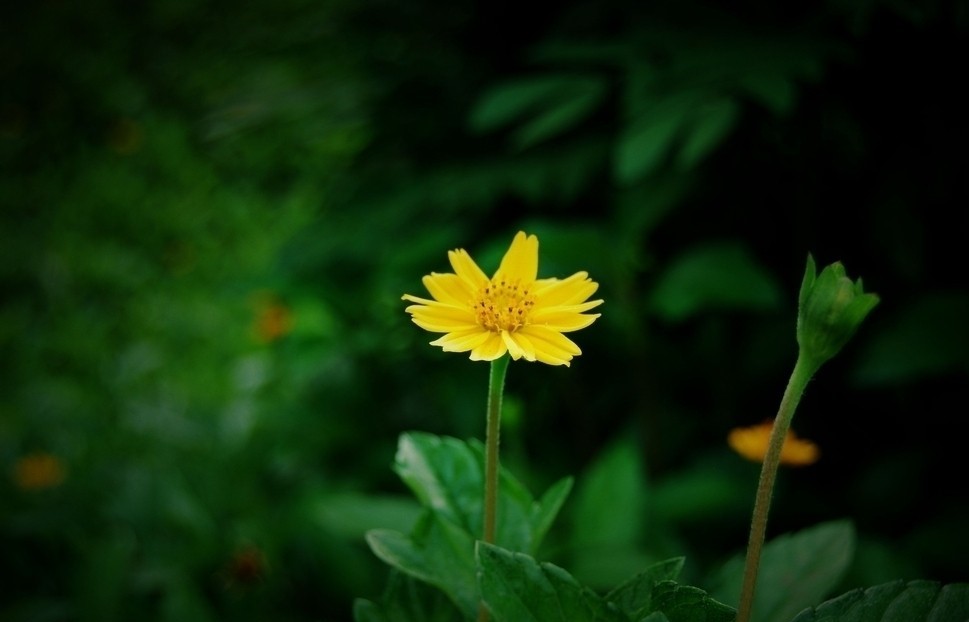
[{"x": 503, "y": 304}]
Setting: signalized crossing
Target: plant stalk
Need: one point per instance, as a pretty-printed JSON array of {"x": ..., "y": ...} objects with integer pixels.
[
  {"x": 803, "y": 371},
  {"x": 496, "y": 385}
]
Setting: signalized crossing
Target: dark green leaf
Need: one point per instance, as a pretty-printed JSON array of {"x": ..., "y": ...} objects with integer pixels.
[
  {"x": 406, "y": 600},
  {"x": 646, "y": 141},
  {"x": 439, "y": 553},
  {"x": 447, "y": 476},
  {"x": 897, "y": 601},
  {"x": 796, "y": 571},
  {"x": 710, "y": 125},
  {"x": 683, "y": 603},
  {"x": 561, "y": 115},
  {"x": 635, "y": 596},
  {"x": 925, "y": 337},
  {"x": 544, "y": 95},
  {"x": 609, "y": 516},
  {"x": 717, "y": 276},
  {"x": 516, "y": 588}
]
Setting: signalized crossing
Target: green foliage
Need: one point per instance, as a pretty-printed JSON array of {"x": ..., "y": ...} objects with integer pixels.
[
  {"x": 897, "y": 601},
  {"x": 204, "y": 239},
  {"x": 715, "y": 277},
  {"x": 516, "y": 587},
  {"x": 796, "y": 571}
]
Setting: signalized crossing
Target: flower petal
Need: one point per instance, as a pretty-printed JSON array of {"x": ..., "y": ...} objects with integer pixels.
[
  {"x": 448, "y": 288},
  {"x": 521, "y": 260},
  {"x": 463, "y": 340},
  {"x": 550, "y": 346},
  {"x": 524, "y": 346},
  {"x": 465, "y": 268},
  {"x": 572, "y": 290},
  {"x": 439, "y": 317},
  {"x": 494, "y": 347},
  {"x": 562, "y": 321},
  {"x": 514, "y": 348}
]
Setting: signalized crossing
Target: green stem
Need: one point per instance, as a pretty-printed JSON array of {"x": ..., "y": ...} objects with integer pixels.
[
  {"x": 803, "y": 370},
  {"x": 496, "y": 385}
]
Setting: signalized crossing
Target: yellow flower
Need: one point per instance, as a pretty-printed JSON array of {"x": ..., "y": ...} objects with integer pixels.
[
  {"x": 751, "y": 443},
  {"x": 513, "y": 311},
  {"x": 38, "y": 471}
]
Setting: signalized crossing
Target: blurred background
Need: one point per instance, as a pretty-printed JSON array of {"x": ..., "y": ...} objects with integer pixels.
[{"x": 210, "y": 211}]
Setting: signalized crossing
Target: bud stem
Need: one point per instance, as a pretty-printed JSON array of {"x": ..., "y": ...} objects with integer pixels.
[{"x": 804, "y": 369}]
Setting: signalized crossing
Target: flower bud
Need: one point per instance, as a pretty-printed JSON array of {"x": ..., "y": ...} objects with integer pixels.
[{"x": 830, "y": 309}]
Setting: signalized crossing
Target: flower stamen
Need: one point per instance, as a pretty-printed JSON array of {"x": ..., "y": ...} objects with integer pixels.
[{"x": 503, "y": 305}]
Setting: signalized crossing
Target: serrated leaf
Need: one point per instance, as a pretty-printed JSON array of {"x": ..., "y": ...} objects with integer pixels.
[
  {"x": 684, "y": 603},
  {"x": 716, "y": 276},
  {"x": 447, "y": 475},
  {"x": 439, "y": 553},
  {"x": 635, "y": 596},
  {"x": 711, "y": 123},
  {"x": 444, "y": 475},
  {"x": 516, "y": 588},
  {"x": 796, "y": 571},
  {"x": 897, "y": 601}
]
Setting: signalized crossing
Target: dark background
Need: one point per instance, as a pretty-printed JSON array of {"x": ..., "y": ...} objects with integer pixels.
[{"x": 210, "y": 211}]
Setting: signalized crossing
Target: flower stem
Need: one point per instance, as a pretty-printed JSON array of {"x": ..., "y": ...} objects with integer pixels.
[
  {"x": 496, "y": 386},
  {"x": 803, "y": 370}
]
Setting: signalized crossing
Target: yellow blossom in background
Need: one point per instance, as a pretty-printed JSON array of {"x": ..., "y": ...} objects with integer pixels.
[
  {"x": 513, "y": 311},
  {"x": 751, "y": 443},
  {"x": 38, "y": 471}
]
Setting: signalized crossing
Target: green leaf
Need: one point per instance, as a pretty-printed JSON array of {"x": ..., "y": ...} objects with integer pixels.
[
  {"x": 796, "y": 571},
  {"x": 635, "y": 596},
  {"x": 897, "y": 601},
  {"x": 643, "y": 144},
  {"x": 444, "y": 475},
  {"x": 557, "y": 102},
  {"x": 926, "y": 337},
  {"x": 716, "y": 276},
  {"x": 352, "y": 514},
  {"x": 609, "y": 516},
  {"x": 561, "y": 115},
  {"x": 710, "y": 126},
  {"x": 439, "y": 553},
  {"x": 684, "y": 603},
  {"x": 406, "y": 600},
  {"x": 516, "y": 588},
  {"x": 548, "y": 507},
  {"x": 447, "y": 476}
]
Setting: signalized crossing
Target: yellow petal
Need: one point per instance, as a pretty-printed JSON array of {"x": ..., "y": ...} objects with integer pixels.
[
  {"x": 448, "y": 288},
  {"x": 562, "y": 321},
  {"x": 514, "y": 349},
  {"x": 441, "y": 318},
  {"x": 550, "y": 346},
  {"x": 465, "y": 268},
  {"x": 573, "y": 290},
  {"x": 462, "y": 341},
  {"x": 494, "y": 347},
  {"x": 521, "y": 260}
]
